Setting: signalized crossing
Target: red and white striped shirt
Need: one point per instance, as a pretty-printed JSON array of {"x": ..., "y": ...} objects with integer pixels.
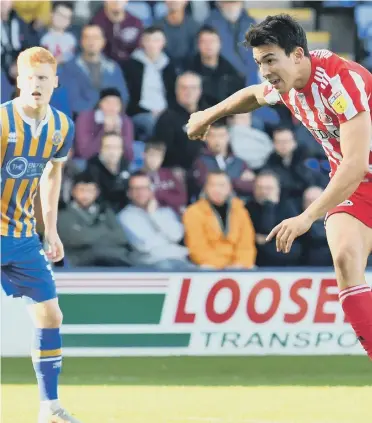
[{"x": 337, "y": 90}]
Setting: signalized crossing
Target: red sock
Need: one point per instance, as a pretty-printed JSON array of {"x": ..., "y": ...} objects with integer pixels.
[{"x": 356, "y": 302}]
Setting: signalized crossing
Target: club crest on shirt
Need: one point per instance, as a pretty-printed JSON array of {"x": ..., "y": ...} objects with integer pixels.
[
  {"x": 338, "y": 102},
  {"x": 324, "y": 118},
  {"x": 57, "y": 138}
]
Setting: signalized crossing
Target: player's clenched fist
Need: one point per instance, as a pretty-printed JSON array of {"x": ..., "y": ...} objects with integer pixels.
[
  {"x": 198, "y": 125},
  {"x": 54, "y": 250}
]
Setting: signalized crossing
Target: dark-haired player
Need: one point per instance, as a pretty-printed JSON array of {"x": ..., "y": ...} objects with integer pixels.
[{"x": 332, "y": 97}]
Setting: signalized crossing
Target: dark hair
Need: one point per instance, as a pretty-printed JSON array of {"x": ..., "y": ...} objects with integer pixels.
[
  {"x": 281, "y": 30},
  {"x": 68, "y": 4},
  {"x": 207, "y": 29},
  {"x": 138, "y": 174},
  {"x": 218, "y": 172},
  {"x": 281, "y": 129},
  {"x": 110, "y": 91},
  {"x": 154, "y": 144},
  {"x": 268, "y": 172},
  {"x": 152, "y": 29},
  {"x": 83, "y": 178}
]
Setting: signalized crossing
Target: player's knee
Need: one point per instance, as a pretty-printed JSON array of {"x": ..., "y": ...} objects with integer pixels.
[
  {"x": 55, "y": 318},
  {"x": 50, "y": 317},
  {"x": 346, "y": 259}
]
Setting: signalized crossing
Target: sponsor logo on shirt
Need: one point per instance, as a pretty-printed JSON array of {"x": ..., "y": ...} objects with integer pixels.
[{"x": 20, "y": 167}]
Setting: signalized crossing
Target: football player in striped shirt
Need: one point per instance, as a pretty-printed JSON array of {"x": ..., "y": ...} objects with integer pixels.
[
  {"x": 35, "y": 140},
  {"x": 332, "y": 97}
]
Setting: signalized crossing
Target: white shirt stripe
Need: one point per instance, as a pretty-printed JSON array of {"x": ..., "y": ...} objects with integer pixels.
[
  {"x": 337, "y": 86},
  {"x": 362, "y": 88}
]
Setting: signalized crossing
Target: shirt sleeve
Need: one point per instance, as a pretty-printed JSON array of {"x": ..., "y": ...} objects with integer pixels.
[
  {"x": 62, "y": 153},
  {"x": 271, "y": 95},
  {"x": 349, "y": 95}
]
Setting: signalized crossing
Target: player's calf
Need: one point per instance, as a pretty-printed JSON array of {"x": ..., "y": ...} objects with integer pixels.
[
  {"x": 47, "y": 350},
  {"x": 350, "y": 244}
]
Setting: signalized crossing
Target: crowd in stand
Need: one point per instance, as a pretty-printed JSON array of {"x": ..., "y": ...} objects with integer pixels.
[{"x": 136, "y": 191}]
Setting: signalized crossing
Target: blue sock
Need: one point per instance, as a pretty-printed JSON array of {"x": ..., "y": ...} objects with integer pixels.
[{"x": 47, "y": 361}]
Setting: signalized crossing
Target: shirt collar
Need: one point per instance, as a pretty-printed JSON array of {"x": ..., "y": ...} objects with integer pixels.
[{"x": 35, "y": 131}]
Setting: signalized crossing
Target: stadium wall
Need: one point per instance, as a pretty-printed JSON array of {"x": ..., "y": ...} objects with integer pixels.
[{"x": 198, "y": 313}]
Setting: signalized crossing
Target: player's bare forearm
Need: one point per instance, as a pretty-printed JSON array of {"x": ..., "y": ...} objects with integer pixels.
[
  {"x": 355, "y": 141},
  {"x": 243, "y": 101},
  {"x": 50, "y": 188},
  {"x": 341, "y": 186}
]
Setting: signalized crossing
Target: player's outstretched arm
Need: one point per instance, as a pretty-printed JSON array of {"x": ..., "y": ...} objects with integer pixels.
[
  {"x": 50, "y": 188},
  {"x": 243, "y": 101},
  {"x": 355, "y": 139}
]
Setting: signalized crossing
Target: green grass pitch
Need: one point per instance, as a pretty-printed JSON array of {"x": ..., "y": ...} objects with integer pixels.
[{"x": 199, "y": 390}]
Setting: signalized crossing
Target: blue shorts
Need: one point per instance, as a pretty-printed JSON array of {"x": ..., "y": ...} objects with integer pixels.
[{"x": 25, "y": 270}]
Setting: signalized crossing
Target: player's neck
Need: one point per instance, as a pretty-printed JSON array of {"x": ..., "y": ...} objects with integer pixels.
[
  {"x": 37, "y": 113},
  {"x": 304, "y": 75}
]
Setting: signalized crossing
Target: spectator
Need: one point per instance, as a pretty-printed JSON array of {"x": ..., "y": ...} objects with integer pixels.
[
  {"x": 35, "y": 13},
  {"x": 61, "y": 43},
  {"x": 288, "y": 162},
  {"x": 218, "y": 230},
  {"x": 249, "y": 144},
  {"x": 232, "y": 21},
  {"x": 154, "y": 232},
  {"x": 90, "y": 232},
  {"x": 317, "y": 252},
  {"x": 16, "y": 36},
  {"x": 218, "y": 156},
  {"x": 122, "y": 30},
  {"x": 151, "y": 77},
  {"x": 109, "y": 170},
  {"x": 220, "y": 78},
  {"x": 87, "y": 74},
  {"x": 180, "y": 30},
  {"x": 108, "y": 116},
  {"x": 170, "y": 189},
  {"x": 7, "y": 89},
  {"x": 267, "y": 210},
  {"x": 71, "y": 169},
  {"x": 171, "y": 125}
]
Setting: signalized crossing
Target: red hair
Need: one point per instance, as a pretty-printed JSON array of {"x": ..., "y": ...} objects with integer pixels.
[{"x": 35, "y": 56}]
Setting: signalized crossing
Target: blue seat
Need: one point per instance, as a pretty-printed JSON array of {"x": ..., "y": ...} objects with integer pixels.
[
  {"x": 141, "y": 10},
  {"x": 138, "y": 152},
  {"x": 160, "y": 10},
  {"x": 363, "y": 17}
]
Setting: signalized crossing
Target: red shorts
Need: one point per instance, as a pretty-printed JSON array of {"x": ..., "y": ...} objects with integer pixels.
[{"x": 358, "y": 205}]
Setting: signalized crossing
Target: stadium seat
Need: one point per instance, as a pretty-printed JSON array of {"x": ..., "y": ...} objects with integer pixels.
[
  {"x": 306, "y": 17},
  {"x": 160, "y": 10},
  {"x": 318, "y": 40},
  {"x": 141, "y": 10},
  {"x": 363, "y": 18},
  {"x": 138, "y": 151}
]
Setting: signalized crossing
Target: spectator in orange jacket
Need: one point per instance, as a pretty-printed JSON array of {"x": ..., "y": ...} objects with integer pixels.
[{"x": 218, "y": 230}]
